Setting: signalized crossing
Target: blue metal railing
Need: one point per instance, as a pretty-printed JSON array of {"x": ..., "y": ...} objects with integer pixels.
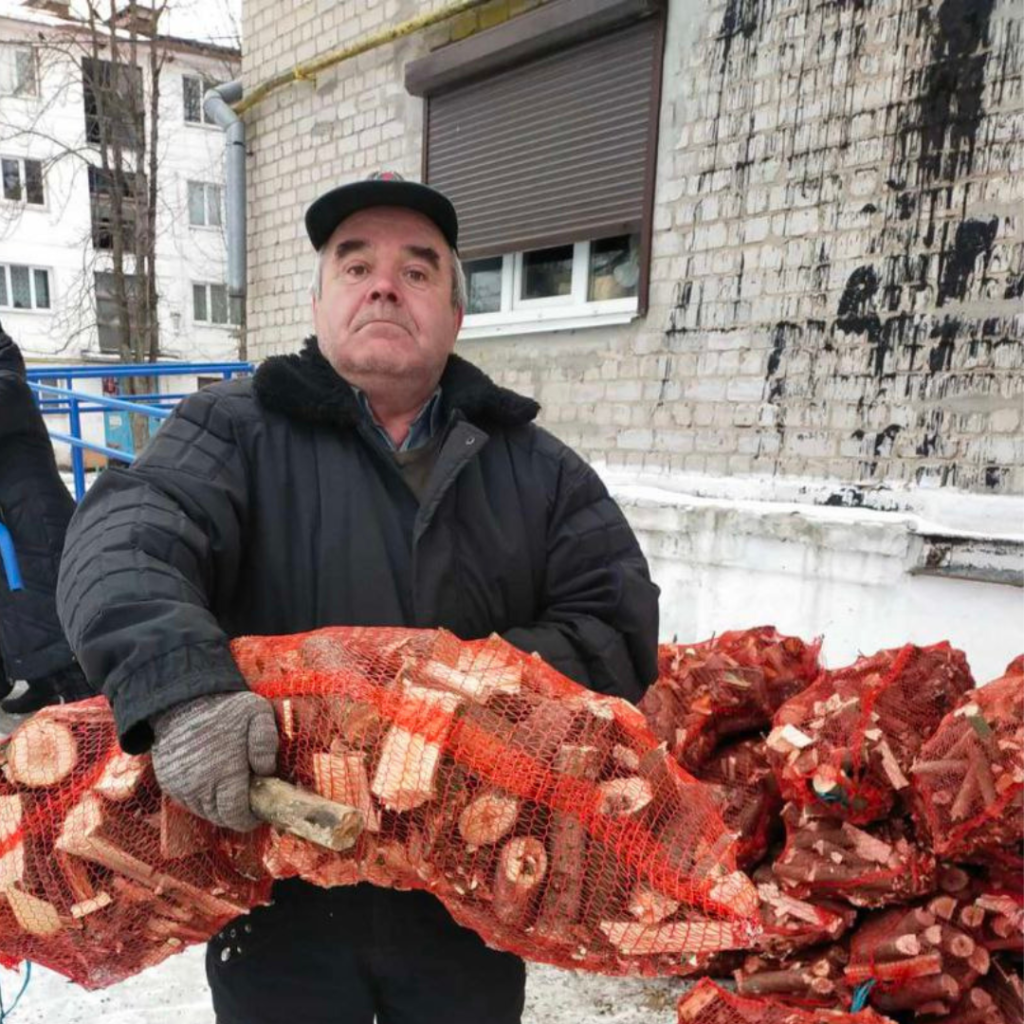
[{"x": 59, "y": 398}]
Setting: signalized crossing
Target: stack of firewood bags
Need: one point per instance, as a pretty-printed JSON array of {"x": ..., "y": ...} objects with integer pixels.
[{"x": 881, "y": 813}]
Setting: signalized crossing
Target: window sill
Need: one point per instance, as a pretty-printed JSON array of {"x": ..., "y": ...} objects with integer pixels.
[
  {"x": 203, "y": 124},
  {"x": 11, "y": 311},
  {"x": 503, "y": 325},
  {"x": 208, "y": 228}
]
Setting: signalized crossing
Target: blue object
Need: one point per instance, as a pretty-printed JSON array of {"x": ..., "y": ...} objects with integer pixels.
[
  {"x": 860, "y": 995},
  {"x": 4, "y": 1012},
  {"x": 64, "y": 401},
  {"x": 9, "y": 557}
]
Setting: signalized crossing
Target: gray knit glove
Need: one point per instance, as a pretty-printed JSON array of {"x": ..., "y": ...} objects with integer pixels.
[{"x": 207, "y": 749}]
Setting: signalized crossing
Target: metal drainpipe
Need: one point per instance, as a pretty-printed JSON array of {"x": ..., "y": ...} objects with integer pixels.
[{"x": 216, "y": 103}]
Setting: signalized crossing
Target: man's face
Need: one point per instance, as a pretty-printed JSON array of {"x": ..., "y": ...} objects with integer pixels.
[{"x": 385, "y": 308}]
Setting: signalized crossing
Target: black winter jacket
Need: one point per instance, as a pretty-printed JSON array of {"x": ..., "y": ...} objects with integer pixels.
[
  {"x": 36, "y": 507},
  {"x": 269, "y": 506}
]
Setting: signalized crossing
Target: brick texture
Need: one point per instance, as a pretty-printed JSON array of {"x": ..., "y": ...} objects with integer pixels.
[{"x": 838, "y": 247}]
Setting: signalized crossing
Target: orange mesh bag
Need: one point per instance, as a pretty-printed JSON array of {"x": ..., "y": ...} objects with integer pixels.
[
  {"x": 708, "y": 1003},
  {"x": 545, "y": 817},
  {"x": 724, "y": 687},
  {"x": 746, "y": 792},
  {"x": 826, "y": 858},
  {"x": 102, "y": 876},
  {"x": 968, "y": 779},
  {"x": 846, "y": 744},
  {"x": 914, "y": 960}
]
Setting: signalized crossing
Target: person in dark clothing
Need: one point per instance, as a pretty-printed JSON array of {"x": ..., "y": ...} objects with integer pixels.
[
  {"x": 372, "y": 479},
  {"x": 35, "y": 507}
]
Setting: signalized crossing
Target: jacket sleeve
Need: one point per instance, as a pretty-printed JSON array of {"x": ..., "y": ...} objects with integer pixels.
[
  {"x": 599, "y": 611},
  {"x": 147, "y": 553}
]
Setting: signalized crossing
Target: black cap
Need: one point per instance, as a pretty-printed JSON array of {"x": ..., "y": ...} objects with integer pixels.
[{"x": 385, "y": 188}]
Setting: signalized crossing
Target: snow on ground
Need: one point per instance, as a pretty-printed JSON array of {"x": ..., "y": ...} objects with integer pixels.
[{"x": 176, "y": 991}]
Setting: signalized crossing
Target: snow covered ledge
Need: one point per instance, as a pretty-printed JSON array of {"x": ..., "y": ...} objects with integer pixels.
[{"x": 867, "y": 568}]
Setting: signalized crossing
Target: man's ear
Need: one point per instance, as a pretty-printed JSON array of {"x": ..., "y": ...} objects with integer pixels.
[{"x": 460, "y": 314}]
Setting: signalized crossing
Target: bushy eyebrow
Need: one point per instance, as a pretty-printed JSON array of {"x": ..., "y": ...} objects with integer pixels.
[
  {"x": 342, "y": 249},
  {"x": 426, "y": 253}
]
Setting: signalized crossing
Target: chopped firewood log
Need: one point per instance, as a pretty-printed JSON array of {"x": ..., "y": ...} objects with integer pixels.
[
  {"x": 306, "y": 815},
  {"x": 122, "y": 776},
  {"x": 650, "y": 907},
  {"x": 35, "y": 915},
  {"x": 522, "y": 865},
  {"x": 828, "y": 858},
  {"x": 478, "y": 685},
  {"x": 341, "y": 775},
  {"x": 84, "y": 835},
  {"x": 91, "y": 905},
  {"x": 488, "y": 818},
  {"x": 41, "y": 753},
  {"x": 791, "y": 924},
  {"x": 181, "y": 833},
  {"x": 623, "y": 797},
  {"x": 12, "y": 859},
  {"x": 407, "y": 767},
  {"x": 695, "y": 935}
]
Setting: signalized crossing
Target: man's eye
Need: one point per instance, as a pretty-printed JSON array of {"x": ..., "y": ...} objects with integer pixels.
[{"x": 356, "y": 270}]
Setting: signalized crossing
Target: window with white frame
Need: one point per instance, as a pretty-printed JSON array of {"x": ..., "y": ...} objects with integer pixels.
[
  {"x": 204, "y": 204},
  {"x": 22, "y": 180},
  {"x": 567, "y": 283},
  {"x": 18, "y": 75},
  {"x": 23, "y": 287},
  {"x": 211, "y": 304},
  {"x": 194, "y": 87},
  {"x": 548, "y": 153}
]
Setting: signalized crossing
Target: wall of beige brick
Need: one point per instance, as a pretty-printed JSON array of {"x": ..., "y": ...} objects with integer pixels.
[{"x": 838, "y": 249}]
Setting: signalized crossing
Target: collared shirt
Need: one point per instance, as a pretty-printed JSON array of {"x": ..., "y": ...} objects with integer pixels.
[{"x": 421, "y": 430}]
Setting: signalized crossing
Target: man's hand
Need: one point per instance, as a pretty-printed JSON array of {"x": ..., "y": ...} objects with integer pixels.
[{"x": 206, "y": 751}]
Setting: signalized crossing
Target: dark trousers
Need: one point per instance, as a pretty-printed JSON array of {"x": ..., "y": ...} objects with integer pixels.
[{"x": 356, "y": 954}]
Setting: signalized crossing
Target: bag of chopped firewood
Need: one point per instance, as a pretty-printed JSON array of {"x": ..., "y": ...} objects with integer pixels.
[
  {"x": 724, "y": 687},
  {"x": 544, "y": 816},
  {"x": 826, "y": 858},
  {"x": 968, "y": 779},
  {"x": 812, "y": 978},
  {"x": 708, "y": 1003},
  {"x": 846, "y": 744},
  {"x": 915, "y": 959}
]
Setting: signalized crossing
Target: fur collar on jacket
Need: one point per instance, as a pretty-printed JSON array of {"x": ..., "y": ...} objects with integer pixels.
[{"x": 307, "y": 387}]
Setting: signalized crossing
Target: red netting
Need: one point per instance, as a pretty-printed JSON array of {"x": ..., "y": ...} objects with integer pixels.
[
  {"x": 828, "y": 858},
  {"x": 915, "y": 960},
  {"x": 544, "y": 816},
  {"x": 724, "y": 687},
  {"x": 846, "y": 744},
  {"x": 968, "y": 779},
  {"x": 708, "y": 1003},
  {"x": 747, "y": 795}
]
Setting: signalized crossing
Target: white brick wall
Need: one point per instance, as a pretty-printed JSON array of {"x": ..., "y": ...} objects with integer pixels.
[{"x": 837, "y": 256}]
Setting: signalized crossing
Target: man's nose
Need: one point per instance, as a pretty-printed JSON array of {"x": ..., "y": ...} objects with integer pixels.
[{"x": 383, "y": 287}]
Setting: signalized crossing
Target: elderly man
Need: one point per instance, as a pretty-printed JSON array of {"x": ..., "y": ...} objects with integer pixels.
[{"x": 374, "y": 479}]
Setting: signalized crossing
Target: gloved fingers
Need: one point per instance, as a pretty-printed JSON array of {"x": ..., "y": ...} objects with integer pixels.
[
  {"x": 262, "y": 741},
  {"x": 231, "y": 799}
]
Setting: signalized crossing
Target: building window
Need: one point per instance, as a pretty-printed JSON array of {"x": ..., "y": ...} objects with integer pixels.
[
  {"x": 22, "y": 180},
  {"x": 211, "y": 304},
  {"x": 542, "y": 131},
  {"x": 114, "y": 102},
  {"x": 24, "y": 287},
  {"x": 102, "y": 190},
  {"x": 108, "y": 321},
  {"x": 194, "y": 88},
  {"x": 573, "y": 283},
  {"x": 204, "y": 204},
  {"x": 18, "y": 75}
]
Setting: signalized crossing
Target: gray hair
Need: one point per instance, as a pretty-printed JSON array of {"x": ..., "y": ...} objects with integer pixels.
[{"x": 460, "y": 291}]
